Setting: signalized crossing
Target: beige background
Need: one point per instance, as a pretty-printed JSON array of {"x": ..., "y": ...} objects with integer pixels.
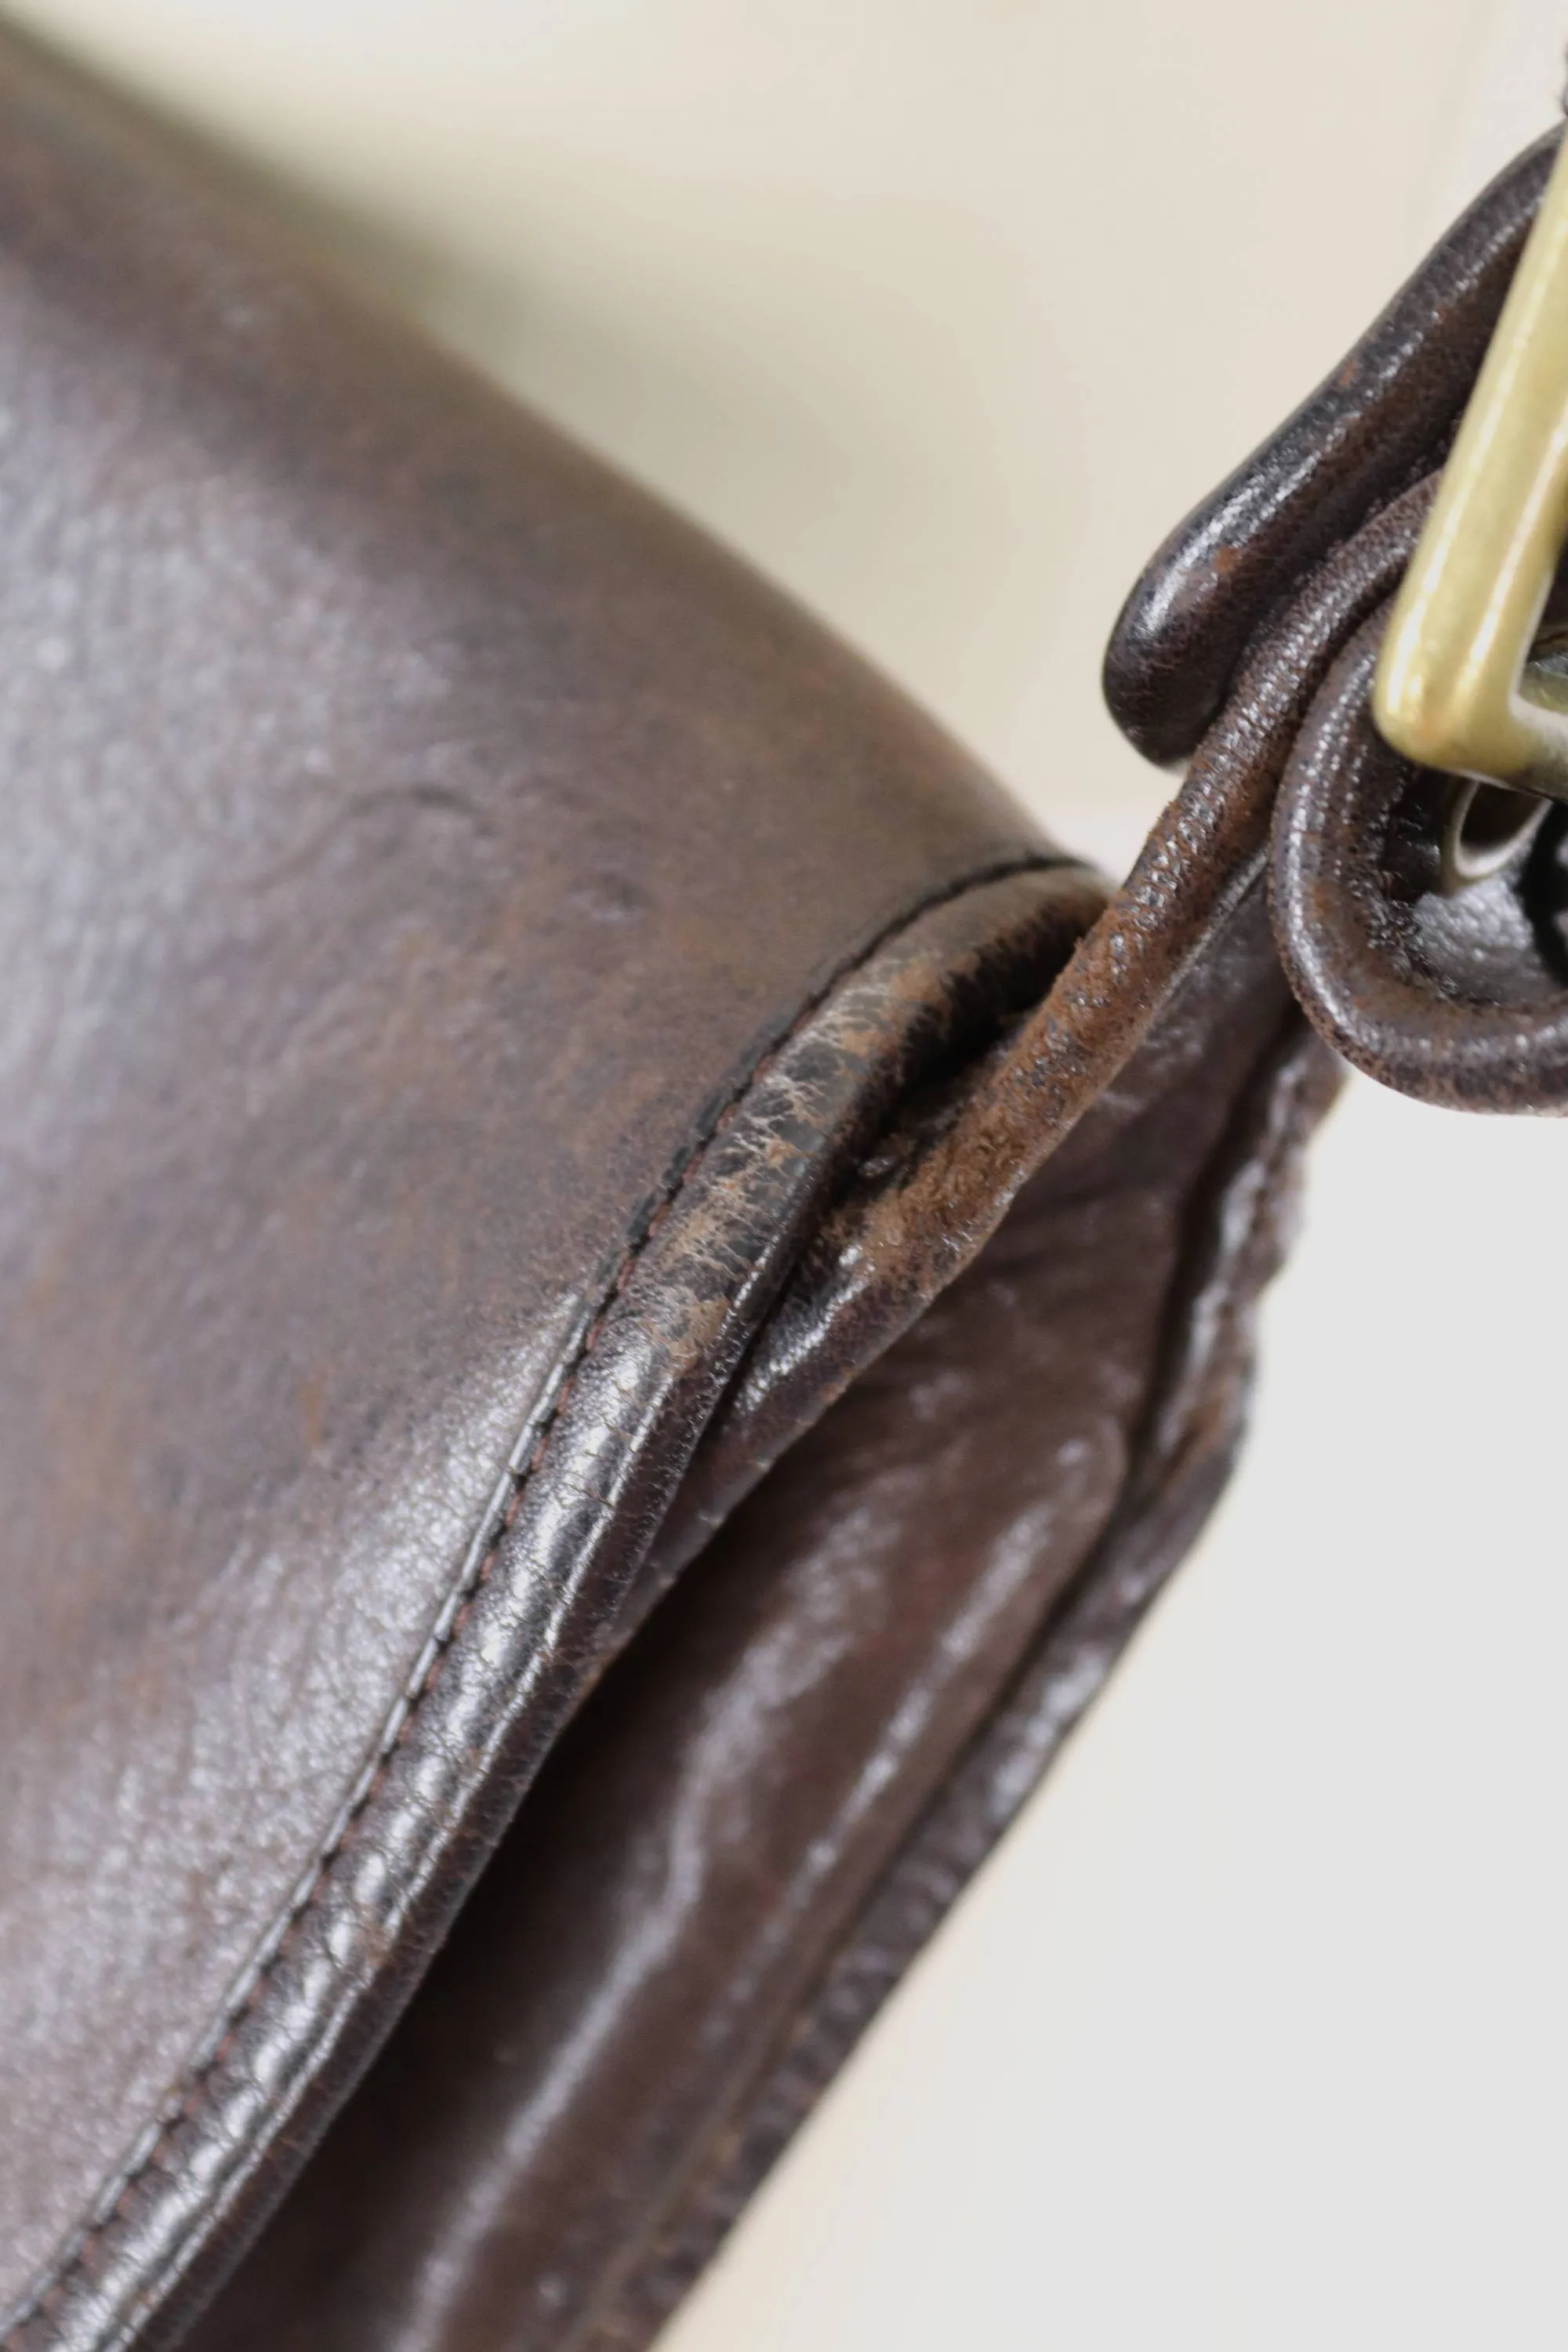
[{"x": 943, "y": 310}]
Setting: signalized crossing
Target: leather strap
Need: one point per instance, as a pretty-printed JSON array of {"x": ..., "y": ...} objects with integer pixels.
[{"x": 1459, "y": 999}]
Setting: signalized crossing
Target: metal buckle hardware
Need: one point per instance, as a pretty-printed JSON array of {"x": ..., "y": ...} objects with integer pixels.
[{"x": 1462, "y": 684}]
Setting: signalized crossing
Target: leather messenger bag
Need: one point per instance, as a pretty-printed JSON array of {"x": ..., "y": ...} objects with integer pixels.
[{"x": 619, "y": 1283}]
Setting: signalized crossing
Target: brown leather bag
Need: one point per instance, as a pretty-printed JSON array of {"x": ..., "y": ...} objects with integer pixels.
[{"x": 619, "y": 1284}]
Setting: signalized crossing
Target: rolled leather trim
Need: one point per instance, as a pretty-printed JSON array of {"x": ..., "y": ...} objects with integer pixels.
[
  {"x": 1376, "y": 422},
  {"x": 1241, "y": 1226},
  {"x": 533, "y": 1612}
]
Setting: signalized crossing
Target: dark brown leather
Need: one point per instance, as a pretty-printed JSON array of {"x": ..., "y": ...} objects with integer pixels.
[
  {"x": 610, "y": 1325},
  {"x": 452, "y": 915},
  {"x": 731, "y": 1804},
  {"x": 1460, "y": 999},
  {"x": 1375, "y": 425}
]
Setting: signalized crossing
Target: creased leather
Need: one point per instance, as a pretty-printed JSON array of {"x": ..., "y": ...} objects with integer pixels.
[
  {"x": 1235, "y": 1229},
  {"x": 1459, "y": 1000},
  {"x": 729, "y": 1809},
  {"x": 621, "y": 1288},
  {"x": 417, "y": 845}
]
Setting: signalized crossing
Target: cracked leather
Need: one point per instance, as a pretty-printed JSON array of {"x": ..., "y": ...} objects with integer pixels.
[{"x": 620, "y": 1284}]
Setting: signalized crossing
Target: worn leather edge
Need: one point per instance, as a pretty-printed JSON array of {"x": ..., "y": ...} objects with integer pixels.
[
  {"x": 1204, "y": 857},
  {"x": 1375, "y": 423},
  {"x": 1238, "y": 1228},
  {"x": 876, "y": 1262},
  {"x": 512, "y": 1650},
  {"x": 880, "y": 1255},
  {"x": 1205, "y": 860}
]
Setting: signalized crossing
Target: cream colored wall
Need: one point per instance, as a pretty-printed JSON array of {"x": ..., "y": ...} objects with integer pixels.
[{"x": 1253, "y": 2035}]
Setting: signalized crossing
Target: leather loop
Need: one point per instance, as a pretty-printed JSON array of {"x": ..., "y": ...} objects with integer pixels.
[
  {"x": 1377, "y": 424},
  {"x": 1459, "y": 999}
]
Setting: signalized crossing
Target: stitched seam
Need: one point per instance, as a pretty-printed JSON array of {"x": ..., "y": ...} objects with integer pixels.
[
  {"x": 524, "y": 1460},
  {"x": 920, "y": 1853}
]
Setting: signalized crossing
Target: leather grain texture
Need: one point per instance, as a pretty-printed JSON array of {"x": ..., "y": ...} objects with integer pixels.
[
  {"x": 417, "y": 842},
  {"x": 621, "y": 1285},
  {"x": 1375, "y": 424},
  {"x": 1458, "y": 998},
  {"x": 733, "y": 1847}
]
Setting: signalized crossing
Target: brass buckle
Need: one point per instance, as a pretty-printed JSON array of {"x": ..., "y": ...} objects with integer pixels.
[{"x": 1462, "y": 684}]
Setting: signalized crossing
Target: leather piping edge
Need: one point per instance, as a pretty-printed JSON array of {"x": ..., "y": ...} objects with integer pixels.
[
  {"x": 142, "y": 2297},
  {"x": 1191, "y": 1427},
  {"x": 1078, "y": 1038}
]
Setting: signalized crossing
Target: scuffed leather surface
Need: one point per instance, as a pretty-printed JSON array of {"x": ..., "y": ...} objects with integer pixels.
[
  {"x": 714, "y": 1834},
  {"x": 414, "y": 840},
  {"x": 1236, "y": 1226},
  {"x": 587, "y": 1237}
]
